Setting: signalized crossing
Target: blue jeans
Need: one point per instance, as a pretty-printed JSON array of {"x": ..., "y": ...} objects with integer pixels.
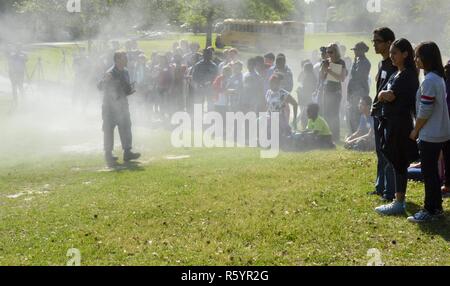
[
  {"x": 385, "y": 183},
  {"x": 400, "y": 179}
]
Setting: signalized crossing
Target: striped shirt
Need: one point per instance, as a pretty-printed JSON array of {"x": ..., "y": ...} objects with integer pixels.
[{"x": 431, "y": 105}]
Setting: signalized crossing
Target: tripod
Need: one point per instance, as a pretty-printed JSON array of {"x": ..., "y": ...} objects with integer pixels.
[
  {"x": 38, "y": 70},
  {"x": 36, "y": 74},
  {"x": 63, "y": 67}
]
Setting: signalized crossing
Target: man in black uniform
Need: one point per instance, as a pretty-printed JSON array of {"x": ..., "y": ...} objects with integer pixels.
[
  {"x": 382, "y": 41},
  {"x": 115, "y": 111}
]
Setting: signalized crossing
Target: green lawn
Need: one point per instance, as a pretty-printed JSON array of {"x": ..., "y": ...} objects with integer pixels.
[
  {"x": 214, "y": 207},
  {"x": 297, "y": 209}
]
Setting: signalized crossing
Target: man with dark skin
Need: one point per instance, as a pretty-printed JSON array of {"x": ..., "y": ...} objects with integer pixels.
[{"x": 115, "y": 111}]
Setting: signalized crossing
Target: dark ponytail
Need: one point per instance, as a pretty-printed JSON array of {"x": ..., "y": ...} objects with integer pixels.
[
  {"x": 403, "y": 45},
  {"x": 431, "y": 58}
]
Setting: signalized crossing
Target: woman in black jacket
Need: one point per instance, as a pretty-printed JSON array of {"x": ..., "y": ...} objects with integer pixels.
[{"x": 398, "y": 112}]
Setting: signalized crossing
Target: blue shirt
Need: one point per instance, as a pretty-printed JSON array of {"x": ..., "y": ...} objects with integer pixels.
[{"x": 365, "y": 124}]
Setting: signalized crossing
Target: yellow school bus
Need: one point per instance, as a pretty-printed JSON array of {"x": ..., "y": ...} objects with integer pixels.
[{"x": 262, "y": 35}]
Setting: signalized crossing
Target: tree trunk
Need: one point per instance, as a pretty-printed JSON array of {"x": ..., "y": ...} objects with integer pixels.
[{"x": 209, "y": 28}]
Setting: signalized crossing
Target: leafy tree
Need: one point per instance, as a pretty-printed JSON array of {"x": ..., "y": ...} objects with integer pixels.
[
  {"x": 206, "y": 12},
  {"x": 426, "y": 20},
  {"x": 114, "y": 16}
]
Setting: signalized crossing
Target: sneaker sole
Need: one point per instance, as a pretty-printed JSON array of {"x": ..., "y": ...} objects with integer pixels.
[
  {"x": 432, "y": 219},
  {"x": 394, "y": 214}
]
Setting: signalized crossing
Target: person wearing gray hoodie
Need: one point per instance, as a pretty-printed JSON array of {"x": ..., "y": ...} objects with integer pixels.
[{"x": 432, "y": 128}]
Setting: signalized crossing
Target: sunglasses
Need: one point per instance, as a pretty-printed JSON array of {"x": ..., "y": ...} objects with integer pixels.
[
  {"x": 378, "y": 41},
  {"x": 330, "y": 52}
]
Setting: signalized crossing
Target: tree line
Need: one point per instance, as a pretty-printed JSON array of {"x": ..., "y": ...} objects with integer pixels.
[{"x": 48, "y": 18}]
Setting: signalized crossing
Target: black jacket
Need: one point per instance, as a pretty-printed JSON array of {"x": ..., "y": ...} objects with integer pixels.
[
  {"x": 359, "y": 82},
  {"x": 118, "y": 86},
  {"x": 397, "y": 120}
]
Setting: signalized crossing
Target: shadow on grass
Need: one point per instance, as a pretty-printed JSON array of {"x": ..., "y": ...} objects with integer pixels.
[
  {"x": 439, "y": 227},
  {"x": 412, "y": 208},
  {"x": 127, "y": 166}
]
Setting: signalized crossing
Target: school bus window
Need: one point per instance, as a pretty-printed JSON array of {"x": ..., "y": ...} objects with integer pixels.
[{"x": 265, "y": 29}]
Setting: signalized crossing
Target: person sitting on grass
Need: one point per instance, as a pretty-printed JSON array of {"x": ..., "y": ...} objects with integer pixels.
[
  {"x": 363, "y": 139},
  {"x": 318, "y": 126},
  {"x": 278, "y": 100},
  {"x": 415, "y": 171}
]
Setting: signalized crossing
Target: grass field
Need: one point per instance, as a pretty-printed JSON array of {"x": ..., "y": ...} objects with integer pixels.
[
  {"x": 215, "y": 207},
  {"x": 199, "y": 206}
]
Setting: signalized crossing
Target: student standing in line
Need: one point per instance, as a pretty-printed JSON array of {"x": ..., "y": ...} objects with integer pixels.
[
  {"x": 398, "y": 100},
  {"x": 382, "y": 41},
  {"x": 358, "y": 86},
  {"x": 333, "y": 89},
  {"x": 432, "y": 127},
  {"x": 282, "y": 68},
  {"x": 253, "y": 88}
]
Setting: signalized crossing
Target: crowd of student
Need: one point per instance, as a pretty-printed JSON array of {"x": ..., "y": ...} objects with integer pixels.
[
  {"x": 411, "y": 122},
  {"x": 408, "y": 121},
  {"x": 176, "y": 80}
]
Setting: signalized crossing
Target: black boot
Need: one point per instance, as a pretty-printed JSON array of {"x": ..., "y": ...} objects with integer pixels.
[{"x": 130, "y": 156}]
